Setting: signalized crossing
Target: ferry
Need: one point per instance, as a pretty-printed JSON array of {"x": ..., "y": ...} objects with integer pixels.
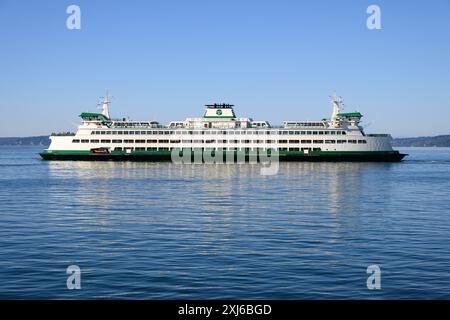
[{"x": 221, "y": 133}]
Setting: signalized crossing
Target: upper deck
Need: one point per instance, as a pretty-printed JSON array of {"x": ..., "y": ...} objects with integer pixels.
[{"x": 221, "y": 116}]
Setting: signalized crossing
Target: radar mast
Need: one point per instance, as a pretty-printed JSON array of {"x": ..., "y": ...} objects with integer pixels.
[{"x": 105, "y": 105}]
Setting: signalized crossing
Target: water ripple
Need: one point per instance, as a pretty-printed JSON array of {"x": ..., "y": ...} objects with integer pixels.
[{"x": 165, "y": 231}]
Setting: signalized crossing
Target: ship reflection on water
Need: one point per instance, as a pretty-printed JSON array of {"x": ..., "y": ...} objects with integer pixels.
[
  {"x": 332, "y": 187},
  {"x": 213, "y": 204}
]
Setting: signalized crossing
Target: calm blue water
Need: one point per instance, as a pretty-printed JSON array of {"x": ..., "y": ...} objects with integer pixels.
[{"x": 166, "y": 231}]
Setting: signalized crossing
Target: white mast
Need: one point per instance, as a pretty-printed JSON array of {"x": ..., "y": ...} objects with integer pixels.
[
  {"x": 105, "y": 106},
  {"x": 338, "y": 104}
]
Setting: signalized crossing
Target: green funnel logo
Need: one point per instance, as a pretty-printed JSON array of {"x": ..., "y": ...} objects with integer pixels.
[{"x": 219, "y": 112}]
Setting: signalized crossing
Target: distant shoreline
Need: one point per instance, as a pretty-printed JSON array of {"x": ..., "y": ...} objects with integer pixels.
[
  {"x": 25, "y": 141},
  {"x": 434, "y": 141}
]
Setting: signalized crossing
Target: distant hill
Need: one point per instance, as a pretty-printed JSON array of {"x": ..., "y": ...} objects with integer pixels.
[
  {"x": 25, "y": 141},
  {"x": 436, "y": 141}
]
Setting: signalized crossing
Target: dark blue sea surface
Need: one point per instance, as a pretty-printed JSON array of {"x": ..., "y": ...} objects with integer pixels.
[{"x": 170, "y": 231}]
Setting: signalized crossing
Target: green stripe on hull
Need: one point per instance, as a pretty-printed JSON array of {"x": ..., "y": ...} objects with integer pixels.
[{"x": 161, "y": 155}]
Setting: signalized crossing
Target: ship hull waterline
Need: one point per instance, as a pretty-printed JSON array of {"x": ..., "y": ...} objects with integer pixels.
[{"x": 385, "y": 156}]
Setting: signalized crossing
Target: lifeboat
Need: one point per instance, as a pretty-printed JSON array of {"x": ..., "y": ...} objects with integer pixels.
[{"x": 100, "y": 151}]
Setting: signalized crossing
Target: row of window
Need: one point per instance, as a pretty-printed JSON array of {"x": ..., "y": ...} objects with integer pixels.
[
  {"x": 304, "y": 124},
  {"x": 218, "y": 141},
  {"x": 249, "y": 132},
  {"x": 210, "y": 149}
]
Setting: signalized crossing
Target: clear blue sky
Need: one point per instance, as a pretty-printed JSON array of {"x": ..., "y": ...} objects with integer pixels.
[{"x": 275, "y": 60}]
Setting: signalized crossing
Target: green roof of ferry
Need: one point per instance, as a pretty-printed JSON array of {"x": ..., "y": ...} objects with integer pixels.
[
  {"x": 93, "y": 115},
  {"x": 350, "y": 114}
]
